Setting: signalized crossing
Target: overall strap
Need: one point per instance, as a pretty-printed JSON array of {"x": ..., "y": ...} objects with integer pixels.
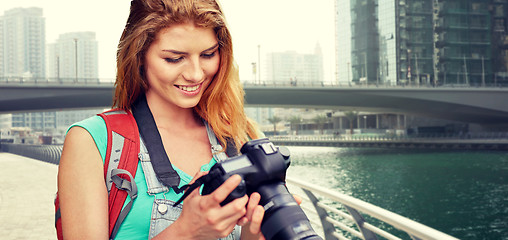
[{"x": 217, "y": 149}]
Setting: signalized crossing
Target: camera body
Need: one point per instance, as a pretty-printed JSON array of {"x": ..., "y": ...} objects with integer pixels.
[
  {"x": 262, "y": 167},
  {"x": 260, "y": 162}
]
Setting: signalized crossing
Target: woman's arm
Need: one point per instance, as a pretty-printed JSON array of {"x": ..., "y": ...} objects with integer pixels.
[{"x": 81, "y": 188}]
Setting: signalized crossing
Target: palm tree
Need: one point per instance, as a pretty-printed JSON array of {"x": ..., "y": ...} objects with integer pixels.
[
  {"x": 274, "y": 120},
  {"x": 351, "y": 116},
  {"x": 320, "y": 121},
  {"x": 294, "y": 121}
]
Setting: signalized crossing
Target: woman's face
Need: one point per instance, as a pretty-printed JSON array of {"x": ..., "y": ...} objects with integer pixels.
[{"x": 181, "y": 63}]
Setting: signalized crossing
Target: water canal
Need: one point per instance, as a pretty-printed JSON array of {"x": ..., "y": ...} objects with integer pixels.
[{"x": 461, "y": 193}]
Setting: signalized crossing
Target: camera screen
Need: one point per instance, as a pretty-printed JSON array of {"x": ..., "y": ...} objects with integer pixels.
[{"x": 236, "y": 164}]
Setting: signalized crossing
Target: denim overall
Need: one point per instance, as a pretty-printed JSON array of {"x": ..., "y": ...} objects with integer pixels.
[{"x": 163, "y": 212}]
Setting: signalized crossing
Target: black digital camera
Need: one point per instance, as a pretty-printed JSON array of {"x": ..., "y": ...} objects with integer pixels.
[{"x": 262, "y": 167}]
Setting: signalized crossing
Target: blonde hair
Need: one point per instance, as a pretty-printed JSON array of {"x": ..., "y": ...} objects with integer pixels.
[{"x": 222, "y": 102}]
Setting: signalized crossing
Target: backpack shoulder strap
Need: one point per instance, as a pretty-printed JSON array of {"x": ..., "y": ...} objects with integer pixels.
[
  {"x": 120, "y": 168},
  {"x": 120, "y": 164}
]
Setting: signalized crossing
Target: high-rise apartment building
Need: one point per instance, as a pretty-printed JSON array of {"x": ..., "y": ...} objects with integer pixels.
[
  {"x": 294, "y": 68},
  {"x": 343, "y": 42},
  {"x": 427, "y": 41},
  {"x": 74, "y": 57},
  {"x": 22, "y": 43},
  {"x": 23, "y": 48}
]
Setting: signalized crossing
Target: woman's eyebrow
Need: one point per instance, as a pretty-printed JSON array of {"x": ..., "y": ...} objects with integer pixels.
[
  {"x": 212, "y": 48},
  {"x": 183, "y": 53}
]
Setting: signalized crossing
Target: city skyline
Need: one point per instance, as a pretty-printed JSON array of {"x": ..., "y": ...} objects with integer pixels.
[{"x": 279, "y": 26}]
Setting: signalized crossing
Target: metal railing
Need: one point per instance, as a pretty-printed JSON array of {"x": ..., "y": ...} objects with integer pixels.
[
  {"x": 339, "y": 216},
  {"x": 386, "y": 85},
  {"x": 56, "y": 81},
  {"x": 253, "y": 83},
  {"x": 502, "y": 136},
  {"x": 46, "y": 153},
  {"x": 351, "y": 223}
]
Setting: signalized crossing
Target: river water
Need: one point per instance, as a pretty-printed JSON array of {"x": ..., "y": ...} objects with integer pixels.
[{"x": 461, "y": 193}]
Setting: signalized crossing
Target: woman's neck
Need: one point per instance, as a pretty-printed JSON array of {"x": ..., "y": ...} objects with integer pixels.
[{"x": 165, "y": 113}]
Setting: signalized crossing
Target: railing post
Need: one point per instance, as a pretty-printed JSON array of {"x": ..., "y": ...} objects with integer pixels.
[
  {"x": 328, "y": 228},
  {"x": 367, "y": 234}
]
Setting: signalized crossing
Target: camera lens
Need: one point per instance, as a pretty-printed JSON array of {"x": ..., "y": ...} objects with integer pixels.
[{"x": 283, "y": 219}]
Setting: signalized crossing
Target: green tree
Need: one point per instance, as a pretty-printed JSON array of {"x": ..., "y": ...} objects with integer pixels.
[
  {"x": 320, "y": 121},
  {"x": 351, "y": 116},
  {"x": 294, "y": 121},
  {"x": 274, "y": 120}
]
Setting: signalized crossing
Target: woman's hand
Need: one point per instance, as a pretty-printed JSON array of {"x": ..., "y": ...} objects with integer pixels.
[
  {"x": 203, "y": 217},
  {"x": 251, "y": 222}
]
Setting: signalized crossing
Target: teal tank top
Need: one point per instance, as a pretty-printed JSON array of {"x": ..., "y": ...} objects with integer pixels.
[{"x": 137, "y": 223}]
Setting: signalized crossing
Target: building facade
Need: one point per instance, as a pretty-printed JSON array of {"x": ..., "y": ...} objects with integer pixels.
[
  {"x": 74, "y": 58},
  {"x": 23, "y": 55},
  {"x": 22, "y": 43},
  {"x": 431, "y": 42},
  {"x": 293, "y": 68}
]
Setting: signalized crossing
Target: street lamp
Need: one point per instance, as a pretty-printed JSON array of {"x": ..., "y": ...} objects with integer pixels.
[
  {"x": 365, "y": 122},
  {"x": 254, "y": 71},
  {"x": 259, "y": 64},
  {"x": 348, "y": 78},
  {"x": 409, "y": 77},
  {"x": 76, "y": 57}
]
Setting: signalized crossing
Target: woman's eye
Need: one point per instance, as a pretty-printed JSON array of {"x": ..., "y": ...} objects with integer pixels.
[
  {"x": 173, "y": 60},
  {"x": 208, "y": 55}
]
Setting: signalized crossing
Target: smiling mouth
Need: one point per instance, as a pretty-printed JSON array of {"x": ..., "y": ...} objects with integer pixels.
[{"x": 189, "y": 88}]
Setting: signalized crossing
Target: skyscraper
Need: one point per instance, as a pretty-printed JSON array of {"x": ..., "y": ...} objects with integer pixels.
[
  {"x": 294, "y": 68},
  {"x": 428, "y": 41},
  {"x": 74, "y": 57},
  {"x": 22, "y": 48},
  {"x": 364, "y": 41},
  {"x": 22, "y": 43},
  {"x": 343, "y": 42}
]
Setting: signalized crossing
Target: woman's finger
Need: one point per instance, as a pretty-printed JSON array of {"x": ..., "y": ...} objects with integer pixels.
[
  {"x": 220, "y": 194},
  {"x": 298, "y": 199},
  {"x": 257, "y": 218},
  {"x": 253, "y": 202}
]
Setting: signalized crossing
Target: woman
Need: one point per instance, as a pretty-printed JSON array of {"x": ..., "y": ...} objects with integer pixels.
[{"x": 175, "y": 57}]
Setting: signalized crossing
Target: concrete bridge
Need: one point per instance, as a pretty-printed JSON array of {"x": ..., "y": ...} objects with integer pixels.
[{"x": 485, "y": 105}]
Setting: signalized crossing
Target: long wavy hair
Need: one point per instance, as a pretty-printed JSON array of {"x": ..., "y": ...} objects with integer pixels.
[{"x": 222, "y": 102}]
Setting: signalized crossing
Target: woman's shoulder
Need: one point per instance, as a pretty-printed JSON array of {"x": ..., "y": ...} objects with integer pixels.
[{"x": 96, "y": 127}]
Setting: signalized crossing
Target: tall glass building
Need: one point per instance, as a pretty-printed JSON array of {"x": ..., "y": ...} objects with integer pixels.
[
  {"x": 364, "y": 41},
  {"x": 432, "y": 42}
]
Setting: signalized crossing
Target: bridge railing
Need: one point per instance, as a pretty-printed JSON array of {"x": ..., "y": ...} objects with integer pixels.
[
  {"x": 273, "y": 83},
  {"x": 343, "y": 217},
  {"x": 394, "y": 137},
  {"x": 56, "y": 81},
  {"x": 246, "y": 83}
]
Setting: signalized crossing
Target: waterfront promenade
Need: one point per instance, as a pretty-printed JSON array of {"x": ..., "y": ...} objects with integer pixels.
[{"x": 27, "y": 191}]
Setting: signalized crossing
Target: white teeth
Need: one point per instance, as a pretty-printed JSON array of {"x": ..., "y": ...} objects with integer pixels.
[{"x": 189, "y": 89}]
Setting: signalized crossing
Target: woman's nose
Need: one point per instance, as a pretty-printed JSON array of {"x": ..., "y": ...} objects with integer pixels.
[{"x": 194, "y": 71}]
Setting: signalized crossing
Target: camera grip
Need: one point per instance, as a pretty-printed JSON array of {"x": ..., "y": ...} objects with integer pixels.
[{"x": 238, "y": 192}]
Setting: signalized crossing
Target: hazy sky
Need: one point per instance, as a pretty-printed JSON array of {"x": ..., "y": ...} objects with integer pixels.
[{"x": 275, "y": 25}]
